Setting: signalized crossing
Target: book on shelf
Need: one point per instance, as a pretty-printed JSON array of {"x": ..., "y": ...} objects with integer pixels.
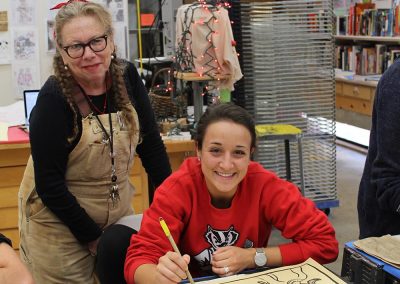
[
  {"x": 368, "y": 19},
  {"x": 366, "y": 59}
]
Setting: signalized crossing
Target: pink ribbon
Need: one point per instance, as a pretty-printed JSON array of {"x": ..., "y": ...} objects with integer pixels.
[{"x": 60, "y": 5}]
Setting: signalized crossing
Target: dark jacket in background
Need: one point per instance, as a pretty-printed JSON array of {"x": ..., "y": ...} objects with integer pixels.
[{"x": 379, "y": 192}]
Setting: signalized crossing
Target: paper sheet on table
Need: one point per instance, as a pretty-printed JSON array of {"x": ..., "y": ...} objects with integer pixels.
[
  {"x": 386, "y": 248},
  {"x": 3, "y": 131},
  {"x": 13, "y": 114},
  {"x": 307, "y": 272}
]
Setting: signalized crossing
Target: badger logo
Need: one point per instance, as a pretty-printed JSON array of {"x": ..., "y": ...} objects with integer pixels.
[{"x": 216, "y": 239}]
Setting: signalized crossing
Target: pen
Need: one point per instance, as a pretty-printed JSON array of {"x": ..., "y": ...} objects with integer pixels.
[{"x": 171, "y": 240}]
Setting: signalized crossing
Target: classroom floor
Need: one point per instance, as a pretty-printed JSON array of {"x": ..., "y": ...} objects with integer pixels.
[{"x": 350, "y": 164}]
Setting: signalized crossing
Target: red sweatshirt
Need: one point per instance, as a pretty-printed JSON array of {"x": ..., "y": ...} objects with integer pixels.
[{"x": 262, "y": 200}]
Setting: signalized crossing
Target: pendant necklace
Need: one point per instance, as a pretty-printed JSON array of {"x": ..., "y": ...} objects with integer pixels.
[
  {"x": 93, "y": 107},
  {"x": 114, "y": 192}
]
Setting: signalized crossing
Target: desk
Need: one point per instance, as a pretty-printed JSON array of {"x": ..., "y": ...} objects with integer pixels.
[
  {"x": 364, "y": 268},
  {"x": 13, "y": 159}
]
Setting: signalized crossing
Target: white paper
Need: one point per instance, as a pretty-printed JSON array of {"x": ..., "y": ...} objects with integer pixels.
[
  {"x": 13, "y": 114},
  {"x": 23, "y": 12},
  {"x": 5, "y": 50},
  {"x": 25, "y": 77}
]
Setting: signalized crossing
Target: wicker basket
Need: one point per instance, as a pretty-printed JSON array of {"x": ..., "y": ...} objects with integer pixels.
[{"x": 163, "y": 102}]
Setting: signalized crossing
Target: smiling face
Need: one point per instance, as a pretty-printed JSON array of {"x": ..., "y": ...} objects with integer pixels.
[
  {"x": 225, "y": 156},
  {"x": 90, "y": 69}
]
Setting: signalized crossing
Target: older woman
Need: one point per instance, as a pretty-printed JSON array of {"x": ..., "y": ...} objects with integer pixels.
[{"x": 87, "y": 123}]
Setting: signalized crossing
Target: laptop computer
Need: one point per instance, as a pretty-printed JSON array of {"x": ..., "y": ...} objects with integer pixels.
[{"x": 30, "y": 97}]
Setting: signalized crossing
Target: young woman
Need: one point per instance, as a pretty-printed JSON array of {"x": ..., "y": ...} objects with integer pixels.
[{"x": 220, "y": 208}]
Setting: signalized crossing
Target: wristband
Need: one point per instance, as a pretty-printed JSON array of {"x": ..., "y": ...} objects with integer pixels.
[{"x": 3, "y": 239}]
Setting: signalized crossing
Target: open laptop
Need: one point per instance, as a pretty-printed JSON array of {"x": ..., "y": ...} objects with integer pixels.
[{"x": 30, "y": 97}]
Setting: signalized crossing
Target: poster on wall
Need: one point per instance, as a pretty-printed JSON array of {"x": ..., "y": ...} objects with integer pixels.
[
  {"x": 25, "y": 77},
  {"x": 23, "y": 12},
  {"x": 25, "y": 44},
  {"x": 5, "y": 50}
]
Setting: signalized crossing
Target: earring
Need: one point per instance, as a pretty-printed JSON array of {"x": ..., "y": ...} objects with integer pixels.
[
  {"x": 112, "y": 56},
  {"x": 198, "y": 158},
  {"x": 65, "y": 66}
]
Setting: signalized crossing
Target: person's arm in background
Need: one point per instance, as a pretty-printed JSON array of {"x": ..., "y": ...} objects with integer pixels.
[
  {"x": 151, "y": 150},
  {"x": 385, "y": 171},
  {"x": 12, "y": 269}
]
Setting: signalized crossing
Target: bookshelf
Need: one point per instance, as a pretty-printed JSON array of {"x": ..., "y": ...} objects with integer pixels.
[
  {"x": 367, "y": 42},
  {"x": 365, "y": 56}
]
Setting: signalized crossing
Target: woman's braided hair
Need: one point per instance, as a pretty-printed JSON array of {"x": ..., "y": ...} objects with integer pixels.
[{"x": 67, "y": 82}]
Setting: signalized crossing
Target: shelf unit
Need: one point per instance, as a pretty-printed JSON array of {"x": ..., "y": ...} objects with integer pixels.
[
  {"x": 357, "y": 96},
  {"x": 383, "y": 39},
  {"x": 286, "y": 50}
]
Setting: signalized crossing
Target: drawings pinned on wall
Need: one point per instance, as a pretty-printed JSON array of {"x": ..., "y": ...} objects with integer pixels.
[
  {"x": 25, "y": 44},
  {"x": 23, "y": 12},
  {"x": 25, "y": 77},
  {"x": 308, "y": 272},
  {"x": 5, "y": 51}
]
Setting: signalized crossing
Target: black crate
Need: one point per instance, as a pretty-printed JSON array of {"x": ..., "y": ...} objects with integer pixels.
[{"x": 358, "y": 269}]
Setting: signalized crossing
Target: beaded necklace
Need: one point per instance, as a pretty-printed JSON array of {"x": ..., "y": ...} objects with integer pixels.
[{"x": 108, "y": 139}]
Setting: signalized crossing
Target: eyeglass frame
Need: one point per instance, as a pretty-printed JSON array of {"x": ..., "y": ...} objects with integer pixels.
[{"x": 84, "y": 45}]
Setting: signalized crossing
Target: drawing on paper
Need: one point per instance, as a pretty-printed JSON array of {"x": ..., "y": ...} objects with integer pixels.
[
  {"x": 308, "y": 272},
  {"x": 23, "y": 12},
  {"x": 24, "y": 44},
  {"x": 25, "y": 78},
  {"x": 116, "y": 8},
  {"x": 5, "y": 51}
]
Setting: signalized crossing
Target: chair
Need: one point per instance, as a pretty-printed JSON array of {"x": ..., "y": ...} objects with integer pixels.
[{"x": 287, "y": 133}]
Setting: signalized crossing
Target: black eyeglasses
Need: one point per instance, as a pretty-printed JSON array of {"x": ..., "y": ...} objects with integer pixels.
[{"x": 78, "y": 50}]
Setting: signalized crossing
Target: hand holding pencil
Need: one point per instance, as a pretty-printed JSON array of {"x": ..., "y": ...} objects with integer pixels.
[{"x": 173, "y": 244}]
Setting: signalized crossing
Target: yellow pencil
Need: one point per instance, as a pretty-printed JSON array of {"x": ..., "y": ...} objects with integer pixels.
[{"x": 171, "y": 240}]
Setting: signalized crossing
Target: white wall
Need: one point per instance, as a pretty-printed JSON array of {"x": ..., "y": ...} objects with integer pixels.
[{"x": 7, "y": 92}]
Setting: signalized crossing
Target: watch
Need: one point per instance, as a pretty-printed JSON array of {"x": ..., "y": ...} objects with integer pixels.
[{"x": 260, "y": 258}]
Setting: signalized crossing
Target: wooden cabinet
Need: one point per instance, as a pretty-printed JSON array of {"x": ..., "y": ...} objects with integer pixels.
[
  {"x": 355, "y": 96},
  {"x": 13, "y": 159}
]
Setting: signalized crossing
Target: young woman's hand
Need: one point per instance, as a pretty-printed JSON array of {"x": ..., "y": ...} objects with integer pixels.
[
  {"x": 172, "y": 268},
  {"x": 231, "y": 260}
]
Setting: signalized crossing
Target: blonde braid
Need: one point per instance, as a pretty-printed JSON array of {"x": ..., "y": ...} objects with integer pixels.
[
  {"x": 66, "y": 82},
  {"x": 121, "y": 97}
]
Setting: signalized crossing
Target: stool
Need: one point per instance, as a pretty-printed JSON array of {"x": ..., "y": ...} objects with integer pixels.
[
  {"x": 285, "y": 132},
  {"x": 197, "y": 85}
]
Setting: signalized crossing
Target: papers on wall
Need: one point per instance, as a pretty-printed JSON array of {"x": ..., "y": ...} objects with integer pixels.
[
  {"x": 5, "y": 50},
  {"x": 25, "y": 46}
]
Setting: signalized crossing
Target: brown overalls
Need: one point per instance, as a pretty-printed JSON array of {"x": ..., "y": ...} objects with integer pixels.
[{"x": 47, "y": 246}]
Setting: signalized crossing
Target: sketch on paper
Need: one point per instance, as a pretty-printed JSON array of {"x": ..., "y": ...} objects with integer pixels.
[
  {"x": 5, "y": 51},
  {"x": 25, "y": 77},
  {"x": 308, "y": 272},
  {"x": 23, "y": 12},
  {"x": 116, "y": 8},
  {"x": 50, "y": 43},
  {"x": 25, "y": 44}
]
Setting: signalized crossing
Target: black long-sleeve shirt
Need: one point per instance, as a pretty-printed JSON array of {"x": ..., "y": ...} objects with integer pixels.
[
  {"x": 379, "y": 192},
  {"x": 51, "y": 123}
]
